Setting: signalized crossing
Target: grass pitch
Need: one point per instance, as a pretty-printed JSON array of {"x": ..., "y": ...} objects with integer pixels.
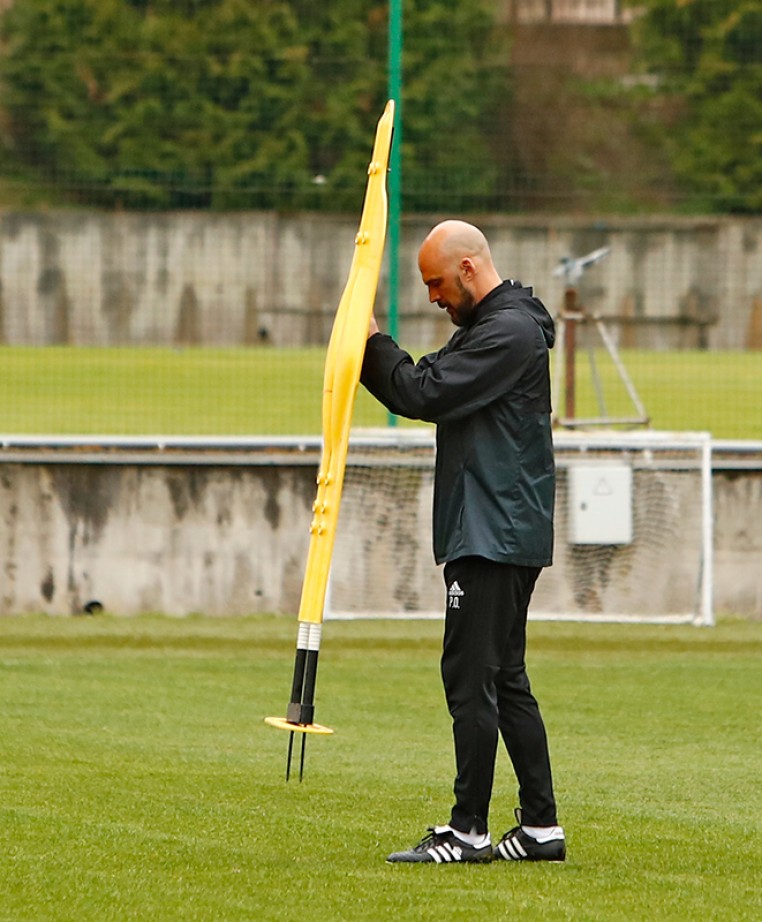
[
  {"x": 138, "y": 780},
  {"x": 267, "y": 391}
]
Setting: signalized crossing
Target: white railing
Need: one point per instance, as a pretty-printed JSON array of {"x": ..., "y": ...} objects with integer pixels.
[{"x": 592, "y": 12}]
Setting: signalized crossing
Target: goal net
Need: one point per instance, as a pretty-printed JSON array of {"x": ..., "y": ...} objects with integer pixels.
[{"x": 633, "y": 530}]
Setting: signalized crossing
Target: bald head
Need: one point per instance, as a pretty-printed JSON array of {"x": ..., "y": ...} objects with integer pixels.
[
  {"x": 456, "y": 267},
  {"x": 457, "y": 239}
]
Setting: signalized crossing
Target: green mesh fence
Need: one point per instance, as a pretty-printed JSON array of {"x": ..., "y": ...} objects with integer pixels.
[{"x": 180, "y": 183}]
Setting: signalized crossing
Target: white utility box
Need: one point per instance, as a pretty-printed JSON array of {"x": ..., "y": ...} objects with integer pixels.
[{"x": 600, "y": 503}]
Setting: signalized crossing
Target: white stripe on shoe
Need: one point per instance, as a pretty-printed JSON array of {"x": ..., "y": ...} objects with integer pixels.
[
  {"x": 512, "y": 850},
  {"x": 445, "y": 853}
]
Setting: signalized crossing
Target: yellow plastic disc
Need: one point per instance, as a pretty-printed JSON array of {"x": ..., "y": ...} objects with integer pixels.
[{"x": 282, "y": 724}]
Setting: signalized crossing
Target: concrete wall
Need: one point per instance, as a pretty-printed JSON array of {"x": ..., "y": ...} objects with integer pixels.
[
  {"x": 169, "y": 539},
  {"x": 92, "y": 278},
  {"x": 224, "y": 539}
]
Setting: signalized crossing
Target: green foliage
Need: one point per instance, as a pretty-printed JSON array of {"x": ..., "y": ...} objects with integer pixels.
[
  {"x": 152, "y": 105},
  {"x": 229, "y": 103},
  {"x": 708, "y": 54},
  {"x": 452, "y": 85}
]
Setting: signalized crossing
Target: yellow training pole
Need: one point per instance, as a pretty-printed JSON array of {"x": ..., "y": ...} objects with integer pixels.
[{"x": 342, "y": 375}]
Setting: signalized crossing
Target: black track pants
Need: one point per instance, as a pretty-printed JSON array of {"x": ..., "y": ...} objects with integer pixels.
[{"x": 487, "y": 690}]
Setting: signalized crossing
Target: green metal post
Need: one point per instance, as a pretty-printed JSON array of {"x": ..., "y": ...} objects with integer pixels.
[{"x": 395, "y": 160}]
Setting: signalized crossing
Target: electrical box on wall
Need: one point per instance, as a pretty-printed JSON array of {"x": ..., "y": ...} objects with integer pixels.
[{"x": 600, "y": 503}]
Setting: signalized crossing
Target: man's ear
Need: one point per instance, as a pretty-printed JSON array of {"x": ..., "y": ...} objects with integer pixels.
[{"x": 467, "y": 268}]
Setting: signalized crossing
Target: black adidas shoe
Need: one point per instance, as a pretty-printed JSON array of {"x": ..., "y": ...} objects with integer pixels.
[
  {"x": 516, "y": 845},
  {"x": 442, "y": 848}
]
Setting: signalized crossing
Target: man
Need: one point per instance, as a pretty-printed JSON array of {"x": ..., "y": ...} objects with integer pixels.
[{"x": 488, "y": 391}]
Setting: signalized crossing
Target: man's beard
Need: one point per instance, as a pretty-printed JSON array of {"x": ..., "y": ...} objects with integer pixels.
[{"x": 462, "y": 313}]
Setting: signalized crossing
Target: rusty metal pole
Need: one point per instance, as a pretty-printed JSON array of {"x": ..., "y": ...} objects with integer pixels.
[{"x": 570, "y": 348}]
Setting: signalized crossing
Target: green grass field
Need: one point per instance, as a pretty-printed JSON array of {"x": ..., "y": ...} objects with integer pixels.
[
  {"x": 266, "y": 391},
  {"x": 138, "y": 780}
]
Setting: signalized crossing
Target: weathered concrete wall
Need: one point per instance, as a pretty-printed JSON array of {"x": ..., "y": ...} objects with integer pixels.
[
  {"x": 93, "y": 278},
  {"x": 169, "y": 539},
  {"x": 233, "y": 540},
  {"x": 738, "y": 542}
]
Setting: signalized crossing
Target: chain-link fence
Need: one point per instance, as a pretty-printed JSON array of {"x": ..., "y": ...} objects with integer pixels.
[{"x": 186, "y": 178}]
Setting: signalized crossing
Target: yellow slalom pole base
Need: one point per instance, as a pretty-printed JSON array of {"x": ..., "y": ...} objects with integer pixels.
[{"x": 282, "y": 724}]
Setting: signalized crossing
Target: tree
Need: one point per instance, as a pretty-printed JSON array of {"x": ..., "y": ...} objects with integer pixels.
[
  {"x": 148, "y": 104},
  {"x": 234, "y": 103},
  {"x": 708, "y": 55},
  {"x": 454, "y": 71}
]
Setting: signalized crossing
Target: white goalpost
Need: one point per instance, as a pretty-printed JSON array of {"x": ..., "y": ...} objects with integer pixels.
[{"x": 633, "y": 529}]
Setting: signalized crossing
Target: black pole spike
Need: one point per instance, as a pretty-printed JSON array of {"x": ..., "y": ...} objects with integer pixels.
[
  {"x": 301, "y": 761},
  {"x": 301, "y": 708},
  {"x": 290, "y": 751}
]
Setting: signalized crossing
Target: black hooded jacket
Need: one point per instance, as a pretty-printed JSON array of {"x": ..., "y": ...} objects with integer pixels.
[{"x": 488, "y": 391}]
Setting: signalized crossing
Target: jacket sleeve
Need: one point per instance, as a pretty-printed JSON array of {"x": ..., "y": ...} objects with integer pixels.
[{"x": 473, "y": 369}]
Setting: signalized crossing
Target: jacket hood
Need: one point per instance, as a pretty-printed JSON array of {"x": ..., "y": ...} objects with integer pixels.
[
  {"x": 520, "y": 297},
  {"x": 538, "y": 312}
]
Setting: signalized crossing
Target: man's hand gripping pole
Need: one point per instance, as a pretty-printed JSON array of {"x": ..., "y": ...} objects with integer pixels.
[{"x": 342, "y": 375}]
